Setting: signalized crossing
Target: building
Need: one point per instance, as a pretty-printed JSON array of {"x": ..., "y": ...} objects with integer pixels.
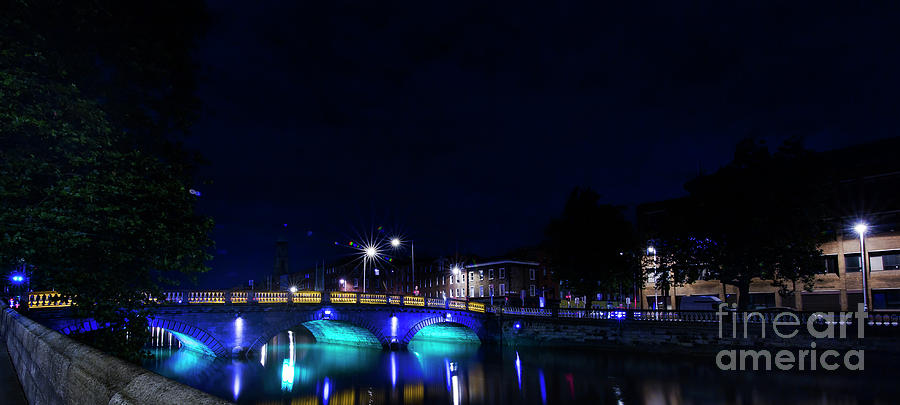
[
  {"x": 866, "y": 184},
  {"x": 498, "y": 282}
]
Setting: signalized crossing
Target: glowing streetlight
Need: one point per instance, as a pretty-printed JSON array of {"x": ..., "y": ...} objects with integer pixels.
[
  {"x": 293, "y": 289},
  {"x": 396, "y": 242},
  {"x": 369, "y": 253},
  {"x": 342, "y": 281},
  {"x": 455, "y": 269},
  {"x": 861, "y": 229}
]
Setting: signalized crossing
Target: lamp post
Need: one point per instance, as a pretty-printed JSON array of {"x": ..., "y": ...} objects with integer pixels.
[
  {"x": 455, "y": 271},
  {"x": 396, "y": 242},
  {"x": 652, "y": 251},
  {"x": 369, "y": 253},
  {"x": 861, "y": 229}
]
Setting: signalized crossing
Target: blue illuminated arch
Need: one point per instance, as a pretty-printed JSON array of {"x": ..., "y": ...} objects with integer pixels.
[{"x": 191, "y": 337}]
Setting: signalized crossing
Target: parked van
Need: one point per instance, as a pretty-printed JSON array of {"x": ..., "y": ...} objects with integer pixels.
[{"x": 699, "y": 303}]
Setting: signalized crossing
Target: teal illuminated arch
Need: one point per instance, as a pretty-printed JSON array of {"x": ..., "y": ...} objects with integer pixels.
[
  {"x": 340, "y": 327},
  {"x": 439, "y": 328}
]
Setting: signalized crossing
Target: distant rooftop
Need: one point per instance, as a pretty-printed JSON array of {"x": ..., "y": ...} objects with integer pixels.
[{"x": 469, "y": 266}]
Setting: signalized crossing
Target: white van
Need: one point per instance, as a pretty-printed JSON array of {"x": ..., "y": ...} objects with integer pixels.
[{"x": 699, "y": 303}]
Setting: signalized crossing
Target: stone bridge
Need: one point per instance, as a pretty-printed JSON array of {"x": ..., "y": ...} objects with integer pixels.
[{"x": 225, "y": 324}]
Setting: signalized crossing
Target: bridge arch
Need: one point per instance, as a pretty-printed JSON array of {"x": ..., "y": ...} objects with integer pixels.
[
  {"x": 191, "y": 337},
  {"x": 457, "y": 320},
  {"x": 322, "y": 324}
]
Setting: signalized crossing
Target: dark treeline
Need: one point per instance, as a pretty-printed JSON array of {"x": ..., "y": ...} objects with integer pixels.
[{"x": 763, "y": 215}]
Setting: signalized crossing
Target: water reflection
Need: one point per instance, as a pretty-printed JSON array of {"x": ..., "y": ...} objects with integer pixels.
[{"x": 293, "y": 369}]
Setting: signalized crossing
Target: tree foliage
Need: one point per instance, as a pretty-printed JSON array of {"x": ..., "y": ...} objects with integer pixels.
[
  {"x": 93, "y": 195},
  {"x": 762, "y": 216},
  {"x": 592, "y": 246}
]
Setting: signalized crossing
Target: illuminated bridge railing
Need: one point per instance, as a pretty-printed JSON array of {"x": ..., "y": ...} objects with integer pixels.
[
  {"x": 307, "y": 297},
  {"x": 52, "y": 299},
  {"x": 239, "y": 297},
  {"x": 270, "y": 297},
  {"x": 373, "y": 299},
  {"x": 47, "y": 299},
  {"x": 343, "y": 298},
  {"x": 206, "y": 297}
]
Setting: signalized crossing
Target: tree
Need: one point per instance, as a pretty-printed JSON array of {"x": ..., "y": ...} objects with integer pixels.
[
  {"x": 762, "y": 216},
  {"x": 93, "y": 195},
  {"x": 592, "y": 246}
]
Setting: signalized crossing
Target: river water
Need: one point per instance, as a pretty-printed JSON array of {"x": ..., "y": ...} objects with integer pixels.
[{"x": 296, "y": 370}]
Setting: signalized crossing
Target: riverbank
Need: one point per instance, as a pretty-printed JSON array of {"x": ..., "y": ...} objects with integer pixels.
[{"x": 54, "y": 369}]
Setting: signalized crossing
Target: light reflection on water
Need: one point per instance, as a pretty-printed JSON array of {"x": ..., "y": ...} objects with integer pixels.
[{"x": 292, "y": 369}]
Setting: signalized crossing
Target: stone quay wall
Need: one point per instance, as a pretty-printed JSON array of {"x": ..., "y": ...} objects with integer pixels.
[
  {"x": 685, "y": 338},
  {"x": 54, "y": 369}
]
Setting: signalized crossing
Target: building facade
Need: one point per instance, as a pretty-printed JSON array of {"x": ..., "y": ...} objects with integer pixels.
[{"x": 499, "y": 282}]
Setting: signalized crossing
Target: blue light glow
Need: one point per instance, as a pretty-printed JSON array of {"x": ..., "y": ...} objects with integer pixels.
[
  {"x": 326, "y": 390},
  {"x": 449, "y": 374},
  {"x": 393, "y": 369},
  {"x": 237, "y": 380},
  {"x": 519, "y": 370},
  {"x": 238, "y": 330},
  {"x": 517, "y": 325},
  {"x": 394, "y": 326},
  {"x": 543, "y": 387}
]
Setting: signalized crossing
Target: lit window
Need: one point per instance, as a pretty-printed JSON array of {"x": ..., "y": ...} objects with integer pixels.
[
  {"x": 481, "y": 291},
  {"x": 502, "y": 288},
  {"x": 481, "y": 275},
  {"x": 491, "y": 274},
  {"x": 491, "y": 290},
  {"x": 471, "y": 291}
]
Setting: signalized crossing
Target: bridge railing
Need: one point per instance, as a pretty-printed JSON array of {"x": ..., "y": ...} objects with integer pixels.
[
  {"x": 47, "y": 299},
  {"x": 52, "y": 299},
  {"x": 373, "y": 299},
  {"x": 206, "y": 297},
  {"x": 307, "y": 297},
  {"x": 343, "y": 297}
]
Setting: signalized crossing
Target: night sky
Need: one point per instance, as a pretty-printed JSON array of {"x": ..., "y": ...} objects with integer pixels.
[{"x": 466, "y": 126}]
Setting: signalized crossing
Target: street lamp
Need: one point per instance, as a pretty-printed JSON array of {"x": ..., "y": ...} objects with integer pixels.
[
  {"x": 652, "y": 251},
  {"x": 342, "y": 284},
  {"x": 370, "y": 253},
  {"x": 861, "y": 229},
  {"x": 293, "y": 289},
  {"x": 396, "y": 242}
]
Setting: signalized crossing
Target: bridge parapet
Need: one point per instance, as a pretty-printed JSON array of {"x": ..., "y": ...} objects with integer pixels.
[
  {"x": 52, "y": 299},
  {"x": 47, "y": 299}
]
